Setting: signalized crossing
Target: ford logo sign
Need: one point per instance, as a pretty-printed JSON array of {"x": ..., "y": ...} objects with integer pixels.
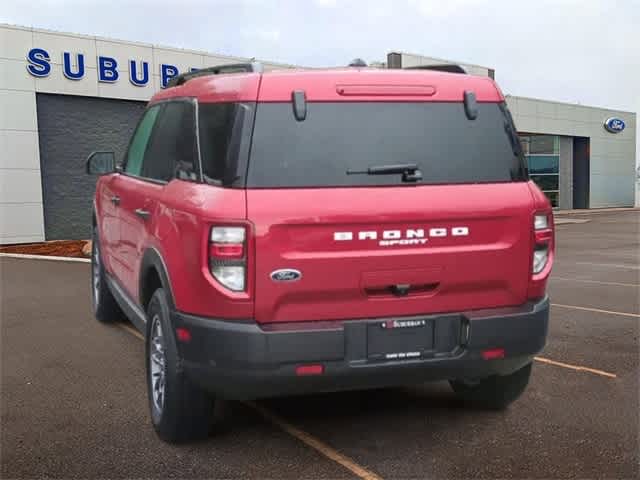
[
  {"x": 286, "y": 275},
  {"x": 614, "y": 125}
]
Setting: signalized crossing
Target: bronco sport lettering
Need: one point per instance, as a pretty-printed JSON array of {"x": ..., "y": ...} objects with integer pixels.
[{"x": 413, "y": 236}]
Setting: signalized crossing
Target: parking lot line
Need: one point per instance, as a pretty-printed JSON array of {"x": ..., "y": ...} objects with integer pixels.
[
  {"x": 316, "y": 444},
  {"x": 295, "y": 432},
  {"x": 581, "y": 280},
  {"x": 576, "y": 367},
  {"x": 597, "y": 310},
  {"x": 131, "y": 329},
  {"x": 611, "y": 265}
]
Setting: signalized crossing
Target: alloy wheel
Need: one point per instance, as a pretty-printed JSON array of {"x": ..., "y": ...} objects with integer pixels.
[{"x": 157, "y": 363}]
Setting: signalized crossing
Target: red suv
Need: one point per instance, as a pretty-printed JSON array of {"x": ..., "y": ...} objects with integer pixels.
[{"x": 303, "y": 231}]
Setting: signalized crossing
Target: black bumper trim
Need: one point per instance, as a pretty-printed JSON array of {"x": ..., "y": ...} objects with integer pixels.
[{"x": 246, "y": 360}]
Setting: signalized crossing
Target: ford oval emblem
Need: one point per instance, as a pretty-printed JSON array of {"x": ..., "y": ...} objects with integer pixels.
[
  {"x": 286, "y": 275},
  {"x": 614, "y": 125}
]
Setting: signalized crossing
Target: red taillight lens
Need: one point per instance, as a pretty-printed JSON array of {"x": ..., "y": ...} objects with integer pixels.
[
  {"x": 227, "y": 256},
  {"x": 302, "y": 370},
  {"x": 223, "y": 250},
  {"x": 493, "y": 354},
  {"x": 544, "y": 236},
  {"x": 183, "y": 335}
]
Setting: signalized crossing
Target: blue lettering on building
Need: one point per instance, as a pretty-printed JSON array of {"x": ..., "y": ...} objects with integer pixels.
[
  {"x": 167, "y": 72},
  {"x": 107, "y": 70},
  {"x": 39, "y": 65},
  {"x": 134, "y": 77},
  {"x": 67, "y": 67}
]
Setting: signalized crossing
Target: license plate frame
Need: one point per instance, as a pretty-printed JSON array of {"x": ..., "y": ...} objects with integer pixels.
[{"x": 400, "y": 339}]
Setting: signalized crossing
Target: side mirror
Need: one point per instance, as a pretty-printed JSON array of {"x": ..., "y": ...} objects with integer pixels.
[{"x": 101, "y": 163}]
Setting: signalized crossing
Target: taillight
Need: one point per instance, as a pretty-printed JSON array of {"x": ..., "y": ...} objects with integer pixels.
[
  {"x": 542, "y": 255},
  {"x": 227, "y": 256},
  {"x": 543, "y": 236}
]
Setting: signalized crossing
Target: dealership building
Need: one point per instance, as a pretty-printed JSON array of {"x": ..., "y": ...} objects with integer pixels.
[{"x": 63, "y": 96}]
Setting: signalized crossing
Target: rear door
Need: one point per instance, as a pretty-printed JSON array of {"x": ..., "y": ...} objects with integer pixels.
[
  {"x": 169, "y": 154},
  {"x": 124, "y": 192},
  {"x": 369, "y": 246}
]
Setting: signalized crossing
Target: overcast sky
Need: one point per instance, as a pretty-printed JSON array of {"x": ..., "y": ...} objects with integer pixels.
[{"x": 582, "y": 51}]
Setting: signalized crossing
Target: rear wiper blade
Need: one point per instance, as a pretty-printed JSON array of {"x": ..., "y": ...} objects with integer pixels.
[{"x": 409, "y": 171}]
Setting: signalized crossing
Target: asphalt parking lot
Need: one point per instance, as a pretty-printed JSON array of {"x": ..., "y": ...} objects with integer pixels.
[{"x": 73, "y": 397}]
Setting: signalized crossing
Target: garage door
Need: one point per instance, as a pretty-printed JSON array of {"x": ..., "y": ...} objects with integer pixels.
[{"x": 70, "y": 128}]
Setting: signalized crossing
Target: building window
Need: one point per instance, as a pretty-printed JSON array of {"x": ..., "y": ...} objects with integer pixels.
[{"x": 542, "y": 153}]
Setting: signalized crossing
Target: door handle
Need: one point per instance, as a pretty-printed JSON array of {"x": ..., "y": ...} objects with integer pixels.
[
  {"x": 143, "y": 214},
  {"x": 115, "y": 200}
]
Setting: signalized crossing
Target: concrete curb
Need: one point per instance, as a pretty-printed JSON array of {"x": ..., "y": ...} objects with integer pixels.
[
  {"x": 565, "y": 221},
  {"x": 25, "y": 256},
  {"x": 591, "y": 211}
]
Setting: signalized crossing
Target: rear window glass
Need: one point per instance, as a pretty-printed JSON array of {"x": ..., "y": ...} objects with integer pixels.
[{"x": 445, "y": 145}]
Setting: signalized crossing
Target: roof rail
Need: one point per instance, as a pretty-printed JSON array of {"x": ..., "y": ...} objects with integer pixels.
[
  {"x": 445, "y": 67},
  {"x": 255, "y": 67}
]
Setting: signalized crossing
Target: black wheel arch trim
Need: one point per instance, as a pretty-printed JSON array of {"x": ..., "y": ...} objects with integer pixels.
[{"x": 152, "y": 259}]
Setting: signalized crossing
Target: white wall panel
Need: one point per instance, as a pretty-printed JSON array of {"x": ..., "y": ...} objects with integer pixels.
[
  {"x": 126, "y": 90},
  {"x": 17, "y": 110},
  {"x": 526, "y": 107},
  {"x": 14, "y": 76},
  {"x": 546, "y": 109},
  {"x": 15, "y": 42},
  {"x": 580, "y": 129},
  {"x": 526, "y": 123},
  {"x": 566, "y": 112},
  {"x": 611, "y": 190},
  {"x": 20, "y": 186},
  {"x": 56, "y": 82},
  {"x": 21, "y": 223},
  {"x": 19, "y": 149},
  {"x": 123, "y": 52}
]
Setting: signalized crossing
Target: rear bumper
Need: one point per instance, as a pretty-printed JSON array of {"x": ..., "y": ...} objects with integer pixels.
[{"x": 243, "y": 360}]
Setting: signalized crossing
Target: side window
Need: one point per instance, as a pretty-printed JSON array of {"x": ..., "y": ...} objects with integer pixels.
[
  {"x": 216, "y": 129},
  {"x": 172, "y": 151},
  {"x": 135, "y": 154}
]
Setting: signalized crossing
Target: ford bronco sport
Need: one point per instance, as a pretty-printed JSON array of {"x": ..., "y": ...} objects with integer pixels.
[{"x": 303, "y": 231}]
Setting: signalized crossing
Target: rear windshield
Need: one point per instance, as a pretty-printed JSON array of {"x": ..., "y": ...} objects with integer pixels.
[{"x": 335, "y": 138}]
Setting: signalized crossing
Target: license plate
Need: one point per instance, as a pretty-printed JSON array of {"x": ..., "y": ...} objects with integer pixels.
[{"x": 399, "y": 339}]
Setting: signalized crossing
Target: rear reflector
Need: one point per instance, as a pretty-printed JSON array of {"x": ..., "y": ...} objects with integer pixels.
[
  {"x": 302, "y": 370},
  {"x": 493, "y": 353},
  {"x": 226, "y": 250},
  {"x": 183, "y": 335}
]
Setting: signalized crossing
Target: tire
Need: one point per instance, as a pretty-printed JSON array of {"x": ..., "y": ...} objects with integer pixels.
[
  {"x": 496, "y": 392},
  {"x": 180, "y": 411},
  {"x": 105, "y": 307}
]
